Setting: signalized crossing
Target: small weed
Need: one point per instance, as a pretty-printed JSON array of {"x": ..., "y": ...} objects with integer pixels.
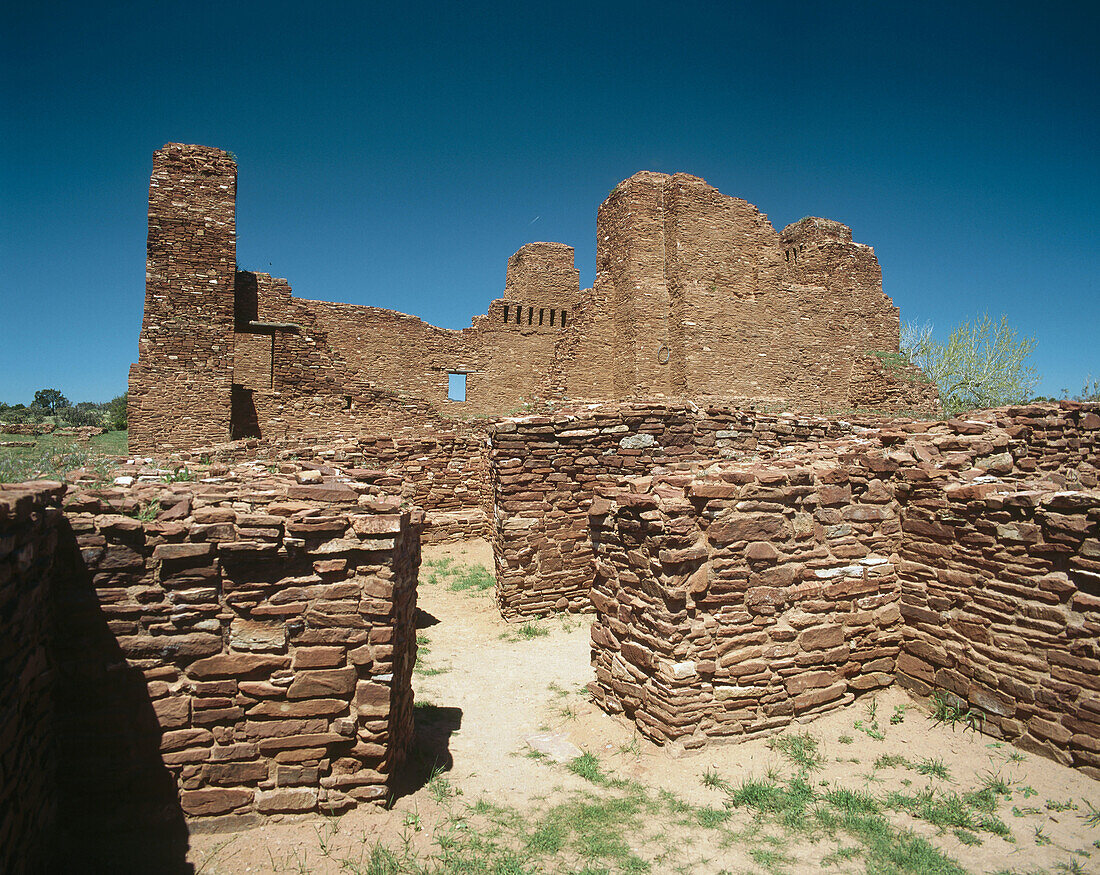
[
  {"x": 871, "y": 731},
  {"x": 439, "y": 787},
  {"x": 949, "y": 709},
  {"x": 967, "y": 837},
  {"x": 149, "y": 511},
  {"x": 1028, "y": 791},
  {"x": 845, "y": 739},
  {"x": 891, "y": 761},
  {"x": 1093, "y": 816},
  {"x": 532, "y": 630},
  {"x": 870, "y": 727},
  {"x": 179, "y": 475},
  {"x": 630, "y": 748},
  {"x": 1055, "y": 805},
  {"x": 1025, "y": 811},
  {"x": 715, "y": 781},
  {"x": 898, "y": 716},
  {"x": 588, "y": 767},
  {"x": 800, "y": 749},
  {"x": 933, "y": 768},
  {"x": 1041, "y": 838},
  {"x": 997, "y": 784}
]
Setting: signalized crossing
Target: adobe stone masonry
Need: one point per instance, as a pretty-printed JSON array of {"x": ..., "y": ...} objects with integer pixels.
[{"x": 696, "y": 295}]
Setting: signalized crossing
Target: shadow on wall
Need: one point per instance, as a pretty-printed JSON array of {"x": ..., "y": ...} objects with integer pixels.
[{"x": 118, "y": 805}]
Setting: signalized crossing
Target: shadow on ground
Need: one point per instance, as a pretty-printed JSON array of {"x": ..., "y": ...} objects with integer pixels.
[
  {"x": 424, "y": 620},
  {"x": 430, "y": 751}
]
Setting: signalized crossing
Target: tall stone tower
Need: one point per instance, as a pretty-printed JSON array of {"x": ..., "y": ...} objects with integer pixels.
[{"x": 180, "y": 388}]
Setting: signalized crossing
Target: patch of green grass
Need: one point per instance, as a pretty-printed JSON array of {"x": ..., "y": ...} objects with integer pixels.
[
  {"x": 472, "y": 579},
  {"x": 711, "y": 818},
  {"x": 972, "y": 811},
  {"x": 886, "y": 848},
  {"x": 934, "y": 768},
  {"x": 845, "y": 739},
  {"x": 587, "y": 766},
  {"x": 891, "y": 761},
  {"x": 1092, "y": 818},
  {"x": 52, "y": 457},
  {"x": 771, "y": 860},
  {"x": 800, "y": 749}
]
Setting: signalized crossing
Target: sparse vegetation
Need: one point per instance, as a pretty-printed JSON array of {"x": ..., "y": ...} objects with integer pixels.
[
  {"x": 982, "y": 364},
  {"x": 952, "y": 711},
  {"x": 471, "y": 579}
]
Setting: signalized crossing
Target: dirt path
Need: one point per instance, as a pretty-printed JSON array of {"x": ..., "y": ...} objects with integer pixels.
[{"x": 486, "y": 688}]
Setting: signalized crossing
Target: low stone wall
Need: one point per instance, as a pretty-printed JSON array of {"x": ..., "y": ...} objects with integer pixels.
[
  {"x": 1002, "y": 609},
  {"x": 27, "y": 428},
  {"x": 276, "y": 635},
  {"x": 734, "y": 600},
  {"x": 235, "y": 648},
  {"x": 442, "y": 472},
  {"x": 545, "y": 471}
]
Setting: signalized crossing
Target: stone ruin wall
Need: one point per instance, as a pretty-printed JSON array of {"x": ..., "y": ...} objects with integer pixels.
[
  {"x": 696, "y": 295},
  {"x": 32, "y": 533},
  {"x": 443, "y": 473},
  {"x": 546, "y": 471},
  {"x": 735, "y": 597},
  {"x": 248, "y": 651},
  {"x": 734, "y": 600}
]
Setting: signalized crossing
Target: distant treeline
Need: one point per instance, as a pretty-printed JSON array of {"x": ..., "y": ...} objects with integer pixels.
[{"x": 51, "y": 403}]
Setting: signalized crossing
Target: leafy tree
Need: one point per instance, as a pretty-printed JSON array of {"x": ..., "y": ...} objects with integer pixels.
[
  {"x": 50, "y": 400},
  {"x": 116, "y": 411},
  {"x": 983, "y": 364}
]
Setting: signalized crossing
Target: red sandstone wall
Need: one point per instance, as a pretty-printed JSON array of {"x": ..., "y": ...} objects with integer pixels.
[
  {"x": 546, "y": 470},
  {"x": 697, "y": 295},
  {"x": 249, "y": 650},
  {"x": 180, "y": 386},
  {"x": 988, "y": 526},
  {"x": 733, "y": 601},
  {"x": 31, "y": 535}
]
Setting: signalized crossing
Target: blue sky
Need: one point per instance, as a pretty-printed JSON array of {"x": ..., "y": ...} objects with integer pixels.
[{"x": 397, "y": 154}]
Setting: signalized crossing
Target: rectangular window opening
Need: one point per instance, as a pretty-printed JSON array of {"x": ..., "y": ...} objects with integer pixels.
[
  {"x": 519, "y": 314},
  {"x": 553, "y": 313},
  {"x": 542, "y": 313},
  {"x": 506, "y": 314},
  {"x": 456, "y": 387},
  {"x": 530, "y": 315},
  {"x": 562, "y": 318}
]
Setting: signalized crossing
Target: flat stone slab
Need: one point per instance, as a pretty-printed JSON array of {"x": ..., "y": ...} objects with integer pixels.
[{"x": 554, "y": 745}]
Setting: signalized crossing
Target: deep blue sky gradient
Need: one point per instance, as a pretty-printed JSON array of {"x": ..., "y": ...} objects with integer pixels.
[{"x": 397, "y": 154}]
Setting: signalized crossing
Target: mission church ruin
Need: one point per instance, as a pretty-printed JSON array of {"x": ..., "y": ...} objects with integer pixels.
[
  {"x": 241, "y": 643},
  {"x": 696, "y": 296}
]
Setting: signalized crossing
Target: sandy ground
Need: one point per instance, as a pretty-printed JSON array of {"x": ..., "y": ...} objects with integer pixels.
[{"x": 494, "y": 688}]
